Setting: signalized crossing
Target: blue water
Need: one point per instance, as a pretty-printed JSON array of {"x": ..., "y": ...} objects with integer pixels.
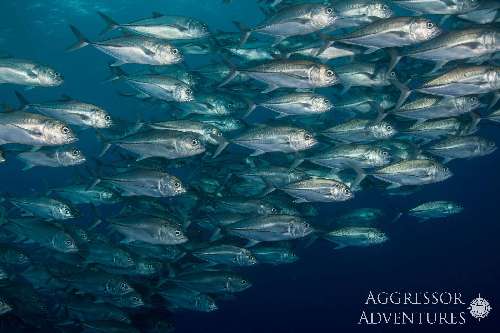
[{"x": 326, "y": 289}]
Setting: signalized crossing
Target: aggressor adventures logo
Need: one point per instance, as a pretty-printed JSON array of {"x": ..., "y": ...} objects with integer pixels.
[{"x": 421, "y": 308}]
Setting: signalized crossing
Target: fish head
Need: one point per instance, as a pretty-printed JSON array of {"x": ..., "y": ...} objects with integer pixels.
[
  {"x": 490, "y": 40},
  {"x": 440, "y": 172},
  {"x": 171, "y": 186},
  {"x": 118, "y": 287},
  {"x": 197, "y": 29},
  {"x": 487, "y": 147},
  {"x": 299, "y": 227},
  {"x": 167, "y": 53},
  {"x": 148, "y": 267},
  {"x": 4, "y": 306},
  {"x": 379, "y": 9},
  {"x": 57, "y": 133},
  {"x": 213, "y": 134},
  {"x": 182, "y": 93},
  {"x": 205, "y": 303},
  {"x": 382, "y": 130},
  {"x": 81, "y": 235},
  {"x": 133, "y": 300},
  {"x": 302, "y": 140},
  {"x": 464, "y": 6},
  {"x": 379, "y": 156},
  {"x": 18, "y": 257},
  {"x": 72, "y": 156},
  {"x": 122, "y": 258},
  {"x": 467, "y": 103},
  {"x": 173, "y": 235},
  {"x": 422, "y": 29},
  {"x": 323, "y": 16},
  {"x": 100, "y": 118},
  {"x": 47, "y": 76},
  {"x": 63, "y": 212},
  {"x": 321, "y": 104},
  {"x": 323, "y": 76},
  {"x": 492, "y": 76},
  {"x": 236, "y": 283},
  {"x": 190, "y": 145},
  {"x": 63, "y": 242},
  {"x": 245, "y": 258},
  {"x": 386, "y": 101},
  {"x": 376, "y": 236},
  {"x": 341, "y": 192}
]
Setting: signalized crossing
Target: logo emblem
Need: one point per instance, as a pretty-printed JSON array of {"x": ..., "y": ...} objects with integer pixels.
[{"x": 479, "y": 308}]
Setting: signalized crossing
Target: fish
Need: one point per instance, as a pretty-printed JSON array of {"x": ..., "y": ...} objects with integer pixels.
[
  {"x": 435, "y": 209},
  {"x": 413, "y": 172},
  {"x": 344, "y": 156},
  {"x": 461, "y": 147},
  {"x": 132, "y": 49},
  {"x": 33, "y": 130},
  {"x": 288, "y": 74},
  {"x": 284, "y": 139},
  {"x": 356, "y": 236},
  {"x": 274, "y": 255},
  {"x": 295, "y": 104},
  {"x": 70, "y": 111},
  {"x": 51, "y": 157},
  {"x": 213, "y": 282},
  {"x": 226, "y": 255},
  {"x": 143, "y": 183},
  {"x": 160, "y": 26},
  {"x": 439, "y": 7},
  {"x": 44, "y": 207},
  {"x": 360, "y": 12},
  {"x": 318, "y": 190},
  {"x": 300, "y": 19},
  {"x": 28, "y": 73},
  {"x": 360, "y": 130},
  {"x": 188, "y": 299},
  {"x": 160, "y": 143}
]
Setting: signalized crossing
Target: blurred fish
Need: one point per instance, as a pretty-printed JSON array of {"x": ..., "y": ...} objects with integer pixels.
[{"x": 28, "y": 73}]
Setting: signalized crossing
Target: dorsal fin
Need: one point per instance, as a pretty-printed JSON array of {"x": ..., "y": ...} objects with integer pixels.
[
  {"x": 66, "y": 98},
  {"x": 157, "y": 14}
]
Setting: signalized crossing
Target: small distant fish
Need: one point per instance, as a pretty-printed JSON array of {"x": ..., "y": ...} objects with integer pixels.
[
  {"x": 28, "y": 73},
  {"x": 51, "y": 157},
  {"x": 356, "y": 236},
  {"x": 435, "y": 209}
]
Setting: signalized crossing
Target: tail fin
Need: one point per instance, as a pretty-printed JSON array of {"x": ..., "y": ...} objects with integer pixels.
[
  {"x": 234, "y": 72},
  {"x": 116, "y": 73},
  {"x": 110, "y": 23},
  {"x": 222, "y": 145},
  {"x": 82, "y": 40},
  {"x": 23, "y": 102},
  {"x": 395, "y": 58},
  {"x": 244, "y": 30},
  {"x": 405, "y": 92}
]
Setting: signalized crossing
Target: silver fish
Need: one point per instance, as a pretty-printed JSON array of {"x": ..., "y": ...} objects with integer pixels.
[{"x": 28, "y": 73}]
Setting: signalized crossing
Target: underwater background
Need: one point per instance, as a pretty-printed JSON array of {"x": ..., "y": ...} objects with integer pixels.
[{"x": 326, "y": 289}]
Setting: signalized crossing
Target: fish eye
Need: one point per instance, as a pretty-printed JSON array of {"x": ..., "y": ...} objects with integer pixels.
[
  {"x": 385, "y": 7},
  {"x": 474, "y": 99},
  {"x": 129, "y": 259},
  {"x": 243, "y": 281},
  {"x": 178, "y": 233},
  {"x": 194, "y": 142},
  {"x": 177, "y": 185},
  {"x": 273, "y": 210},
  {"x": 123, "y": 286},
  {"x": 430, "y": 25},
  {"x": 388, "y": 127},
  {"x": 65, "y": 130},
  {"x": 393, "y": 74},
  {"x": 75, "y": 152},
  {"x": 329, "y": 73},
  {"x": 189, "y": 91},
  {"x": 307, "y": 136},
  {"x": 68, "y": 242},
  {"x": 345, "y": 190},
  {"x": 385, "y": 153},
  {"x": 329, "y": 10},
  {"x": 67, "y": 211},
  {"x": 135, "y": 299},
  {"x": 175, "y": 51},
  {"x": 107, "y": 117},
  {"x": 306, "y": 225}
]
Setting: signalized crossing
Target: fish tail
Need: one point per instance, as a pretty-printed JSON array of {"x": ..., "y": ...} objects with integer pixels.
[
  {"x": 395, "y": 58},
  {"x": 405, "y": 92},
  {"x": 110, "y": 23},
  {"x": 23, "y": 102},
  {"x": 244, "y": 30},
  {"x": 234, "y": 73},
  {"x": 82, "y": 41}
]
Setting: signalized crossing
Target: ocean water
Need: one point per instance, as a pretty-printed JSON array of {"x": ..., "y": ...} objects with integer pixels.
[{"x": 326, "y": 290}]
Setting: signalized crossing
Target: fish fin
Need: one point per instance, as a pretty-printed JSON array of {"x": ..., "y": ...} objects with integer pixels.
[
  {"x": 251, "y": 243},
  {"x": 27, "y": 167},
  {"x": 257, "y": 152},
  {"x": 94, "y": 183},
  {"x": 105, "y": 149},
  {"x": 220, "y": 148},
  {"x": 95, "y": 224},
  {"x": 437, "y": 66},
  {"x": 66, "y": 98},
  {"x": 395, "y": 58},
  {"x": 117, "y": 63},
  {"x": 110, "y": 23},
  {"x": 446, "y": 160},
  {"x": 360, "y": 175},
  {"x": 244, "y": 30},
  {"x": 339, "y": 246},
  {"x": 405, "y": 92},
  {"x": 281, "y": 115},
  {"x": 393, "y": 186},
  {"x": 494, "y": 100},
  {"x": 300, "y": 200},
  {"x": 82, "y": 41},
  {"x": 296, "y": 163},
  {"x": 270, "y": 87},
  {"x": 147, "y": 51},
  {"x": 345, "y": 89},
  {"x": 397, "y": 217},
  {"x": 327, "y": 42},
  {"x": 234, "y": 72},
  {"x": 157, "y": 14},
  {"x": 371, "y": 50},
  {"x": 216, "y": 235},
  {"x": 23, "y": 102}
]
